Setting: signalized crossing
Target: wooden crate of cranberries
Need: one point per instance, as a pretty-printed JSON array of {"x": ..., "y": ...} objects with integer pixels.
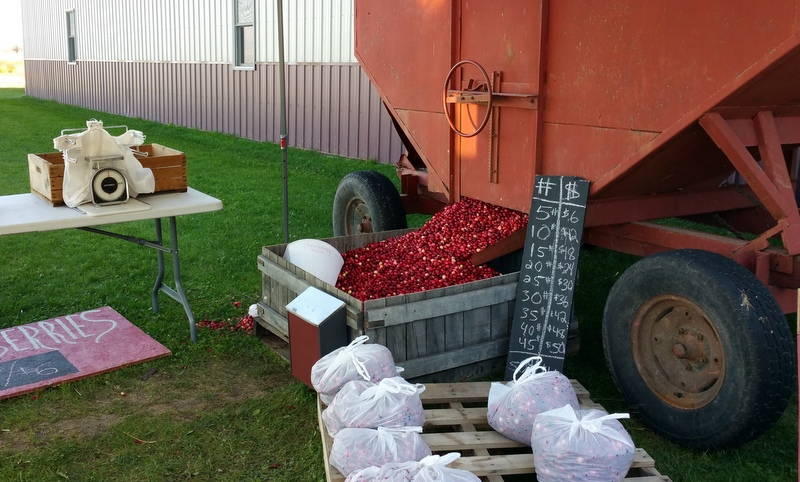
[
  {"x": 457, "y": 327},
  {"x": 455, "y": 421}
]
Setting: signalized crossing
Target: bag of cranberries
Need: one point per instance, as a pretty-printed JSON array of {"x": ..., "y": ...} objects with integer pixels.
[
  {"x": 357, "y": 448},
  {"x": 433, "y": 468},
  {"x": 392, "y": 402},
  {"x": 367, "y": 474},
  {"x": 588, "y": 445},
  {"x": 358, "y": 360},
  {"x": 513, "y": 406}
]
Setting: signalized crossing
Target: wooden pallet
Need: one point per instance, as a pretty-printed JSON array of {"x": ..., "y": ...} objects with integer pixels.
[{"x": 455, "y": 421}]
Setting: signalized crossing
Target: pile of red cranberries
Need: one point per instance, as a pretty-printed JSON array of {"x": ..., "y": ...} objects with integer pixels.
[{"x": 434, "y": 256}]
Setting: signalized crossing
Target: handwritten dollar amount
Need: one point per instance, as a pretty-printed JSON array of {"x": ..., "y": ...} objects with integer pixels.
[
  {"x": 42, "y": 370},
  {"x": 552, "y": 348},
  {"x": 545, "y": 232},
  {"x": 542, "y": 261},
  {"x": 531, "y": 336},
  {"x": 34, "y": 369},
  {"x": 532, "y": 329}
]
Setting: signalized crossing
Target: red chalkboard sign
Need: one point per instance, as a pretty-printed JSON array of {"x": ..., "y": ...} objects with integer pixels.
[
  {"x": 549, "y": 269},
  {"x": 50, "y": 352}
]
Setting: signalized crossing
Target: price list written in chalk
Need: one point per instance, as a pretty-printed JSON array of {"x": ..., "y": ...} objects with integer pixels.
[{"x": 548, "y": 273}]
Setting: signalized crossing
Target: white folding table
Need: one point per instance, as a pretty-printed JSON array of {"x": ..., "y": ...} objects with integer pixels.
[{"x": 26, "y": 213}]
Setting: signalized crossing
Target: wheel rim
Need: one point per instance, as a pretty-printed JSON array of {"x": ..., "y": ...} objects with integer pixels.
[
  {"x": 678, "y": 351},
  {"x": 358, "y": 218}
]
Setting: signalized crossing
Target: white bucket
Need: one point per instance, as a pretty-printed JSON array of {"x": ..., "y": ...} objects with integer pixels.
[{"x": 317, "y": 257}]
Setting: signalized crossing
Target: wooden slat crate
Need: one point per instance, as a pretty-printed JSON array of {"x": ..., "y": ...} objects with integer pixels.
[
  {"x": 46, "y": 171},
  {"x": 168, "y": 166},
  {"x": 455, "y": 421},
  {"x": 446, "y": 334}
]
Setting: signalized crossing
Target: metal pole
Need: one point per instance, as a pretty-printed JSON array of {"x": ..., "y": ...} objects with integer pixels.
[{"x": 282, "y": 86}]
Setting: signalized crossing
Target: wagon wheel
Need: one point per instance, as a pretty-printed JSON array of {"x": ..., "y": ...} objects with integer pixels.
[
  {"x": 488, "y": 95},
  {"x": 367, "y": 202},
  {"x": 699, "y": 348}
]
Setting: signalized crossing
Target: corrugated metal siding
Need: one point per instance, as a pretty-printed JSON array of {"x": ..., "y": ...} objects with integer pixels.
[
  {"x": 171, "y": 61},
  {"x": 186, "y": 30},
  {"x": 332, "y": 108},
  {"x": 44, "y": 30},
  {"x": 319, "y": 31},
  {"x": 134, "y": 30}
]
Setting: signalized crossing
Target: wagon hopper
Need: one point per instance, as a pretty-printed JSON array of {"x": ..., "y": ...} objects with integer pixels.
[{"x": 671, "y": 110}]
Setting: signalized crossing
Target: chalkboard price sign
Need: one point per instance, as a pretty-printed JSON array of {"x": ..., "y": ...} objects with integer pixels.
[{"x": 549, "y": 269}]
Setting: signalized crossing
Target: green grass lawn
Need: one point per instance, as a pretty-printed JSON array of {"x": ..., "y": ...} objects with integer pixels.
[{"x": 227, "y": 407}]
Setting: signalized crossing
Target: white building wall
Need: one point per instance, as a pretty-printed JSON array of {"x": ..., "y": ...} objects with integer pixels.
[
  {"x": 319, "y": 31},
  {"x": 172, "y": 61},
  {"x": 188, "y": 31},
  {"x": 44, "y": 30}
]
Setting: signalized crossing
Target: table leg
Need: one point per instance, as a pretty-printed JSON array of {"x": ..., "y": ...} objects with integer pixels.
[
  {"x": 160, "y": 277},
  {"x": 177, "y": 293}
]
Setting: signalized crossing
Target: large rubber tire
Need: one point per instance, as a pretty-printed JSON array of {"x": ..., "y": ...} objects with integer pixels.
[
  {"x": 367, "y": 202},
  {"x": 699, "y": 348}
]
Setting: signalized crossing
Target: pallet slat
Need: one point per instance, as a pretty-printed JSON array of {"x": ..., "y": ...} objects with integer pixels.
[
  {"x": 474, "y": 392},
  {"x": 453, "y": 416},
  {"x": 492, "y": 465},
  {"x": 457, "y": 441},
  {"x": 484, "y": 452},
  {"x": 448, "y": 392}
]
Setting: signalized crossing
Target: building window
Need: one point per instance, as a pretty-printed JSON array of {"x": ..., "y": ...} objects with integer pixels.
[
  {"x": 245, "y": 33},
  {"x": 71, "y": 56}
]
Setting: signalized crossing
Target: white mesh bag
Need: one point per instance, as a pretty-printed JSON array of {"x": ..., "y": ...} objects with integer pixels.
[
  {"x": 513, "y": 406},
  {"x": 433, "y": 468},
  {"x": 357, "y": 448},
  {"x": 358, "y": 360},
  {"x": 366, "y": 474},
  {"x": 587, "y": 445},
  {"x": 392, "y": 402}
]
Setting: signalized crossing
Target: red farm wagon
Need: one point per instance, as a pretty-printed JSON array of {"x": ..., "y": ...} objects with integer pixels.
[{"x": 671, "y": 109}]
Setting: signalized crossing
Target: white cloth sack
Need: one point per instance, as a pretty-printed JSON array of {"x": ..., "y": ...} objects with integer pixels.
[
  {"x": 357, "y": 448},
  {"x": 430, "y": 469},
  {"x": 587, "y": 445},
  {"x": 392, "y": 402},
  {"x": 78, "y": 150},
  {"x": 513, "y": 406},
  {"x": 358, "y": 360}
]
